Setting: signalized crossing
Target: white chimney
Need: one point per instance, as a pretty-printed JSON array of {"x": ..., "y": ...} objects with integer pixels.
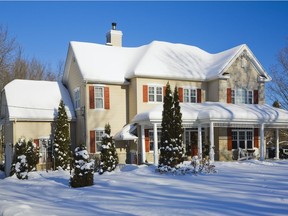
[{"x": 114, "y": 37}]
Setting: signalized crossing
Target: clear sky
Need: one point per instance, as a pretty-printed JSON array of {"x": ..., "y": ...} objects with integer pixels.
[{"x": 44, "y": 29}]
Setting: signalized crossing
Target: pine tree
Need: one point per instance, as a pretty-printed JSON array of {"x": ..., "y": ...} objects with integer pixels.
[
  {"x": 83, "y": 169},
  {"x": 62, "y": 143},
  {"x": 167, "y": 142},
  {"x": 32, "y": 155},
  {"x": 26, "y": 157},
  {"x": 178, "y": 129},
  {"x": 108, "y": 156}
]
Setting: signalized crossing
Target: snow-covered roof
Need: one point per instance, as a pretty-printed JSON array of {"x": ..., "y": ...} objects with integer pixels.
[
  {"x": 36, "y": 100},
  {"x": 126, "y": 133},
  {"x": 220, "y": 112},
  {"x": 102, "y": 63}
]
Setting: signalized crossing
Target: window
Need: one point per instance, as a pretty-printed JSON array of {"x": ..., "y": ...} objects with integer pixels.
[
  {"x": 98, "y": 139},
  {"x": 155, "y": 93},
  {"x": 242, "y": 138},
  {"x": 190, "y": 96},
  {"x": 99, "y": 97},
  {"x": 151, "y": 138},
  {"x": 242, "y": 96},
  {"x": 77, "y": 98}
]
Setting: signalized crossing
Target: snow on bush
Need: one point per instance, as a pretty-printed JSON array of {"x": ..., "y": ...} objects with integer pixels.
[
  {"x": 197, "y": 166},
  {"x": 83, "y": 170}
]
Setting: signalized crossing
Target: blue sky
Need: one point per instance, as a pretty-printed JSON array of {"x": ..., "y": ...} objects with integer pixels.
[{"x": 44, "y": 29}]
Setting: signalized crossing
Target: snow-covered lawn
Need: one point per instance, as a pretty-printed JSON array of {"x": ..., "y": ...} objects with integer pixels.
[{"x": 238, "y": 188}]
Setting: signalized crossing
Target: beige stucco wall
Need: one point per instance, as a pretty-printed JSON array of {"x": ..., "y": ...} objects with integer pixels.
[
  {"x": 116, "y": 116},
  {"x": 136, "y": 91}
]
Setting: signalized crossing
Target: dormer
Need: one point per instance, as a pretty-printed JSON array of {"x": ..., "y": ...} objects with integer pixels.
[{"x": 114, "y": 36}]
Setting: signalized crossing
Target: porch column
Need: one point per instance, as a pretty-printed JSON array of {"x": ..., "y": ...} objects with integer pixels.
[
  {"x": 155, "y": 144},
  {"x": 199, "y": 142},
  {"x": 143, "y": 153},
  {"x": 211, "y": 155},
  {"x": 277, "y": 144},
  {"x": 262, "y": 157}
]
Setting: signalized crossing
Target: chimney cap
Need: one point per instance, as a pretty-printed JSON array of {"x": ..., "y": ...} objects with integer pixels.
[{"x": 114, "y": 25}]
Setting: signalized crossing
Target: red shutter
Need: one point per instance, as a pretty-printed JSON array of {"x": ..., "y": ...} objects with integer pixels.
[
  {"x": 180, "y": 92},
  {"x": 106, "y": 98},
  {"x": 164, "y": 91},
  {"x": 92, "y": 142},
  {"x": 91, "y": 97},
  {"x": 256, "y": 137},
  {"x": 255, "y": 93},
  {"x": 199, "y": 96},
  {"x": 229, "y": 139},
  {"x": 229, "y": 98},
  {"x": 145, "y": 93},
  {"x": 36, "y": 141},
  {"x": 147, "y": 141}
]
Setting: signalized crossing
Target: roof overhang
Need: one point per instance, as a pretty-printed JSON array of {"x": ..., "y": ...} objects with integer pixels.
[{"x": 221, "y": 114}]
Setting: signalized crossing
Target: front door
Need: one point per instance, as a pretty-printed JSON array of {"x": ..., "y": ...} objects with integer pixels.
[{"x": 191, "y": 141}]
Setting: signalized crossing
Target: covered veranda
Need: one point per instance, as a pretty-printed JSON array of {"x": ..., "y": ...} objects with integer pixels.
[{"x": 212, "y": 115}]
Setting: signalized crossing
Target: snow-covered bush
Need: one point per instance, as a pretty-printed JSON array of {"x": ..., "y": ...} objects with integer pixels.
[
  {"x": 196, "y": 166},
  {"x": 62, "y": 142},
  {"x": 26, "y": 157},
  {"x": 83, "y": 170},
  {"x": 108, "y": 157}
]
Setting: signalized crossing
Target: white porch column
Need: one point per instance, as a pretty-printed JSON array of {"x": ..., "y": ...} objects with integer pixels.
[
  {"x": 277, "y": 144},
  {"x": 199, "y": 142},
  {"x": 262, "y": 157},
  {"x": 155, "y": 144},
  {"x": 211, "y": 155},
  {"x": 143, "y": 153}
]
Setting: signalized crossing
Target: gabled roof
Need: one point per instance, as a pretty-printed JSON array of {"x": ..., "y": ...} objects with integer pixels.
[
  {"x": 36, "y": 100},
  {"x": 108, "y": 64}
]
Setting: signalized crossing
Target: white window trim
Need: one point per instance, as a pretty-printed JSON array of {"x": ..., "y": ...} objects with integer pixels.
[
  {"x": 99, "y": 141},
  {"x": 151, "y": 138},
  {"x": 238, "y": 139},
  {"x": 77, "y": 99},
  {"x": 235, "y": 97},
  {"x": 189, "y": 98},
  {"x": 103, "y": 97},
  {"x": 155, "y": 86}
]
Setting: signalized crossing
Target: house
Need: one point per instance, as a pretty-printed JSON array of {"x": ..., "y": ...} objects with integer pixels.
[
  {"x": 29, "y": 109},
  {"x": 222, "y": 99}
]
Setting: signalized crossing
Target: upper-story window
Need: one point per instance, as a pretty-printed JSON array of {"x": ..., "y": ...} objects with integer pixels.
[
  {"x": 190, "y": 95},
  {"x": 77, "y": 98},
  {"x": 155, "y": 93},
  {"x": 242, "y": 96},
  {"x": 99, "y": 97}
]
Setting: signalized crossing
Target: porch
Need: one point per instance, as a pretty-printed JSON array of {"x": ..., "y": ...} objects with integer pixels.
[{"x": 225, "y": 128}]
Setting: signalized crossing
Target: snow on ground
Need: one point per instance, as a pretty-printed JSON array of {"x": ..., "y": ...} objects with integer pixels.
[{"x": 238, "y": 188}]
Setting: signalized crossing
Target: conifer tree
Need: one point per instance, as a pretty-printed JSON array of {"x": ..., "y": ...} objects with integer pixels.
[
  {"x": 26, "y": 157},
  {"x": 32, "y": 155},
  {"x": 178, "y": 129},
  {"x": 83, "y": 169},
  {"x": 166, "y": 145},
  {"x": 108, "y": 157},
  {"x": 62, "y": 142}
]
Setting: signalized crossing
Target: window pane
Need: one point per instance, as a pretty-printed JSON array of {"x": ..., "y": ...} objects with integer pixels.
[
  {"x": 233, "y": 96},
  {"x": 151, "y": 93},
  {"x": 159, "y": 94},
  {"x": 99, "y": 92},
  {"x": 250, "y": 97},
  {"x": 99, "y": 103},
  {"x": 186, "y": 95},
  {"x": 193, "y": 95}
]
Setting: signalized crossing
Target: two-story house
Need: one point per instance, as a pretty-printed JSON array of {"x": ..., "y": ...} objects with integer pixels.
[{"x": 222, "y": 97}]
